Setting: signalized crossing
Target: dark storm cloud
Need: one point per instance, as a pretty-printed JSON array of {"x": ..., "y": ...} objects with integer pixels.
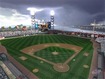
[
  {"x": 21, "y": 5},
  {"x": 91, "y": 6},
  {"x": 40, "y": 3},
  {"x": 72, "y": 12}
]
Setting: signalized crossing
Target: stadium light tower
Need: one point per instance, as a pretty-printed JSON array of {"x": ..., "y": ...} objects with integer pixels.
[
  {"x": 94, "y": 26},
  {"x": 52, "y": 13},
  {"x": 32, "y": 13}
]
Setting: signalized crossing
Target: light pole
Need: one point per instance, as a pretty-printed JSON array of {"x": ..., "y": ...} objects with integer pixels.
[
  {"x": 52, "y": 13},
  {"x": 32, "y": 13},
  {"x": 94, "y": 25}
]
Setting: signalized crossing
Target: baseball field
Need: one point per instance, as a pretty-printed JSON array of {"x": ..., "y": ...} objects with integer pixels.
[{"x": 52, "y": 56}]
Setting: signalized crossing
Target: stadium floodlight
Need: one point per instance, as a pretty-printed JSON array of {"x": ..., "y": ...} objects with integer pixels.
[
  {"x": 32, "y": 13},
  {"x": 92, "y": 24},
  {"x": 34, "y": 10},
  {"x": 52, "y": 13}
]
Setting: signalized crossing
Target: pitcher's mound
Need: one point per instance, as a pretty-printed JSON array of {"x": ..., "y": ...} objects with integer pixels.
[
  {"x": 61, "y": 67},
  {"x": 36, "y": 70},
  {"x": 85, "y": 66},
  {"x": 55, "y": 53}
]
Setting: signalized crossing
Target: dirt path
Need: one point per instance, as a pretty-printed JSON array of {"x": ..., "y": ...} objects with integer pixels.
[
  {"x": 69, "y": 59},
  {"x": 43, "y": 59},
  {"x": 35, "y": 48},
  {"x": 18, "y": 65},
  {"x": 60, "y": 68},
  {"x": 94, "y": 59},
  {"x": 32, "y": 49}
]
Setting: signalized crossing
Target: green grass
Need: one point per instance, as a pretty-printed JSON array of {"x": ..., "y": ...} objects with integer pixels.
[
  {"x": 63, "y": 55},
  {"x": 46, "y": 70}
]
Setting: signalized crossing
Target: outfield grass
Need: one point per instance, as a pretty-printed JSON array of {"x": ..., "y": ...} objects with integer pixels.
[{"x": 46, "y": 71}]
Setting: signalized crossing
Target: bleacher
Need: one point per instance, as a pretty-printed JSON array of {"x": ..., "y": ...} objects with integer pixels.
[
  {"x": 3, "y": 75},
  {"x": 10, "y": 69},
  {"x": 101, "y": 58}
]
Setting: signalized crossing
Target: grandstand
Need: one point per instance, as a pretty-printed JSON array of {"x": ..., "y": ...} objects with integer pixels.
[
  {"x": 8, "y": 70},
  {"x": 3, "y": 75},
  {"x": 101, "y": 58}
]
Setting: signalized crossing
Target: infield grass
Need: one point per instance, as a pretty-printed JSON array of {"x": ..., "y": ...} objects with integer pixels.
[{"x": 62, "y": 56}]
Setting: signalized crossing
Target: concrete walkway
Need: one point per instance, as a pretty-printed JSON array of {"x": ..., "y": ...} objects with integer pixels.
[{"x": 94, "y": 60}]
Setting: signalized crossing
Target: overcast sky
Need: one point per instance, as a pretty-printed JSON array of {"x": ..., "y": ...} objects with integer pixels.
[{"x": 67, "y": 12}]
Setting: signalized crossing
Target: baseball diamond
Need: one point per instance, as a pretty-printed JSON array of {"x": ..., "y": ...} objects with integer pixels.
[{"x": 52, "y": 56}]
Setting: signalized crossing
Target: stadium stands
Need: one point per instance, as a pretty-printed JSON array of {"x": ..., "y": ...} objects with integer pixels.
[
  {"x": 101, "y": 57},
  {"x": 9, "y": 69},
  {"x": 3, "y": 75}
]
